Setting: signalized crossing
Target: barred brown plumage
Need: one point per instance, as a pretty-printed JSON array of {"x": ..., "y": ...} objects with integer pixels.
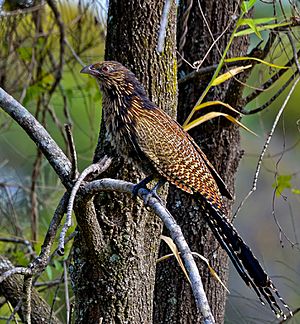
[{"x": 142, "y": 132}]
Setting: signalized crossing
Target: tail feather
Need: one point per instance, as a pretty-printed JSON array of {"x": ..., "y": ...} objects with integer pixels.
[{"x": 244, "y": 261}]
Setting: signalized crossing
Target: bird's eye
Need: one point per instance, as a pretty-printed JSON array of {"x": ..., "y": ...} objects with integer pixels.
[{"x": 105, "y": 68}]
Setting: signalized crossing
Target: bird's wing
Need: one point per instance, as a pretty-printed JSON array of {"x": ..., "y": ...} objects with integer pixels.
[
  {"x": 174, "y": 155},
  {"x": 222, "y": 186}
]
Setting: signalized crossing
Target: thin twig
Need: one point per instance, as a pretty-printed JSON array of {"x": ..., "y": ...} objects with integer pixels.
[
  {"x": 77, "y": 58},
  {"x": 67, "y": 299},
  {"x": 60, "y": 24},
  {"x": 94, "y": 168},
  {"x": 266, "y": 145},
  {"x": 40, "y": 263},
  {"x": 295, "y": 53},
  {"x": 14, "y": 312},
  {"x": 267, "y": 85},
  {"x": 184, "y": 27},
  {"x": 272, "y": 99},
  {"x": 72, "y": 149},
  {"x": 20, "y": 241}
]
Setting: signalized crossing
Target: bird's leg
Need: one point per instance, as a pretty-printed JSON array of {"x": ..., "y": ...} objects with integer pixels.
[
  {"x": 153, "y": 191},
  {"x": 141, "y": 184},
  {"x": 159, "y": 184}
]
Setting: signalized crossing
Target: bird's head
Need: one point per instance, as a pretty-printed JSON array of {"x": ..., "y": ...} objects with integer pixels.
[{"x": 112, "y": 75}]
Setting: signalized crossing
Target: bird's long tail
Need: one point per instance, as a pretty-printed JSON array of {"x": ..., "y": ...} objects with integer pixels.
[{"x": 244, "y": 261}]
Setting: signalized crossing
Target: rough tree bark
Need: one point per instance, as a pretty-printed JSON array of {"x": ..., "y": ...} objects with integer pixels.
[
  {"x": 220, "y": 140},
  {"x": 113, "y": 273}
]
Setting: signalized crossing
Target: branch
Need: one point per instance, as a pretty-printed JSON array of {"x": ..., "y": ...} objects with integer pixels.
[
  {"x": 96, "y": 168},
  {"x": 58, "y": 73},
  {"x": 11, "y": 289},
  {"x": 39, "y": 135},
  {"x": 94, "y": 187},
  {"x": 266, "y": 145}
]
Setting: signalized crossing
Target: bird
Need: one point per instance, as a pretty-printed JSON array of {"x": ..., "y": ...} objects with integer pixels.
[{"x": 143, "y": 133}]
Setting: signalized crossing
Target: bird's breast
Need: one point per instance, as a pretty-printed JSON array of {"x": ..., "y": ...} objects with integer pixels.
[{"x": 118, "y": 126}]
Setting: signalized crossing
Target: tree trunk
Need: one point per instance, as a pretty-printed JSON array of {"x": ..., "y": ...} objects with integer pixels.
[
  {"x": 220, "y": 140},
  {"x": 114, "y": 267}
]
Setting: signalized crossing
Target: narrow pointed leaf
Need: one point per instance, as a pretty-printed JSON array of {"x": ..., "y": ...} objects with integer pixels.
[
  {"x": 257, "y": 21},
  {"x": 176, "y": 253},
  {"x": 211, "y": 269},
  {"x": 216, "y": 102},
  {"x": 249, "y": 31},
  {"x": 247, "y": 5},
  {"x": 212, "y": 115},
  {"x": 228, "y": 75},
  {"x": 243, "y": 58}
]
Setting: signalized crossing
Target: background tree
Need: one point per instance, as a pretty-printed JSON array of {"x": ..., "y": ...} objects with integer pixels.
[{"x": 112, "y": 260}]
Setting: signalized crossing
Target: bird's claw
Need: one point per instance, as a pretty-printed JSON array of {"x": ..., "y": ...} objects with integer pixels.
[
  {"x": 140, "y": 185},
  {"x": 152, "y": 194}
]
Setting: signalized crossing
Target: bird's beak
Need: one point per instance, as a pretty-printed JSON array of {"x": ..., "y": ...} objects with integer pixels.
[{"x": 89, "y": 69}]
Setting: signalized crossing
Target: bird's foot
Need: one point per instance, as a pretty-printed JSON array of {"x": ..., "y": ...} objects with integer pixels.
[
  {"x": 140, "y": 185},
  {"x": 153, "y": 192}
]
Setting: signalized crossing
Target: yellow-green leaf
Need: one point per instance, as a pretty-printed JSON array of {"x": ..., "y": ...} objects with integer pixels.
[
  {"x": 213, "y": 103},
  {"x": 212, "y": 115},
  {"x": 176, "y": 253},
  {"x": 212, "y": 271},
  {"x": 296, "y": 191},
  {"x": 282, "y": 182},
  {"x": 247, "y": 5},
  {"x": 228, "y": 75},
  {"x": 256, "y": 21},
  {"x": 243, "y": 58},
  {"x": 261, "y": 28},
  {"x": 250, "y": 22}
]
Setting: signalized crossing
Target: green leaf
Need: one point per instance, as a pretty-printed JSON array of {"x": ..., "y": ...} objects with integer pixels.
[
  {"x": 212, "y": 115},
  {"x": 282, "y": 182},
  {"x": 243, "y": 58},
  {"x": 261, "y": 28},
  {"x": 247, "y": 5},
  {"x": 49, "y": 272},
  {"x": 58, "y": 266},
  {"x": 253, "y": 27},
  {"x": 296, "y": 191},
  {"x": 25, "y": 53},
  {"x": 231, "y": 73},
  {"x": 256, "y": 21}
]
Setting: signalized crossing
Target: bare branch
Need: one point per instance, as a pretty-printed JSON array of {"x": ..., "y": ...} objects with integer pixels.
[
  {"x": 58, "y": 72},
  {"x": 20, "y": 241},
  {"x": 94, "y": 168},
  {"x": 72, "y": 149},
  {"x": 266, "y": 145},
  {"x": 66, "y": 291},
  {"x": 12, "y": 290}
]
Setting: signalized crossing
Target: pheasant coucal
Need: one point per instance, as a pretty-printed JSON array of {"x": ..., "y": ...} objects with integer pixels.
[{"x": 142, "y": 132}]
